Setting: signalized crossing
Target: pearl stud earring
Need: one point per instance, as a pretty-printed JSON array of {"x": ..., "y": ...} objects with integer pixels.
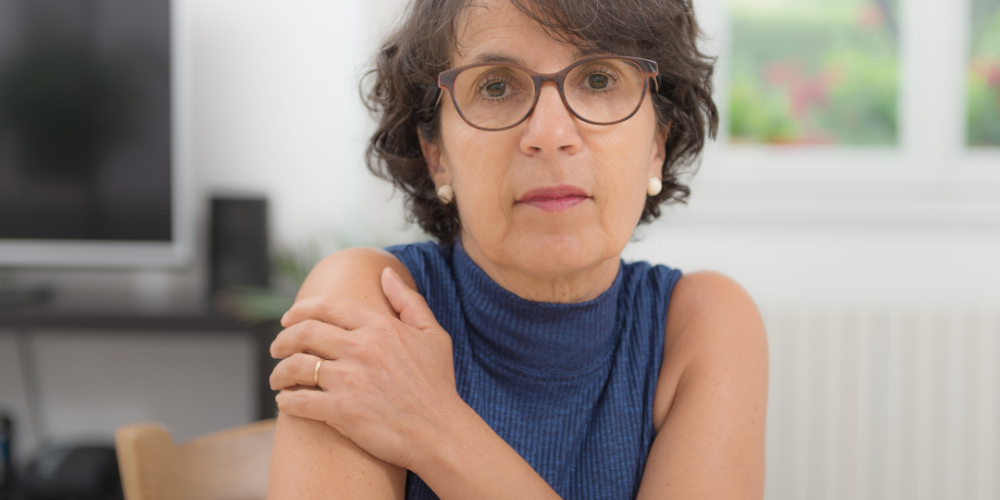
[
  {"x": 654, "y": 187},
  {"x": 446, "y": 193}
]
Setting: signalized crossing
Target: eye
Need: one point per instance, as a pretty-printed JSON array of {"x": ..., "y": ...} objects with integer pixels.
[
  {"x": 496, "y": 89},
  {"x": 598, "y": 81},
  {"x": 598, "y": 78}
]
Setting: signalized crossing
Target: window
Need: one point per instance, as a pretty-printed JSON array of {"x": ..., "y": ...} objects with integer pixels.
[
  {"x": 852, "y": 113},
  {"x": 984, "y": 74},
  {"x": 814, "y": 72}
]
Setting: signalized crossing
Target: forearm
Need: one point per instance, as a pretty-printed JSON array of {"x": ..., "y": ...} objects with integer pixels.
[
  {"x": 469, "y": 460},
  {"x": 311, "y": 461}
]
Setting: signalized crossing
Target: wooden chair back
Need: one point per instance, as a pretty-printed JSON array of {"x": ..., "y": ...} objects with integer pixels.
[{"x": 227, "y": 465}]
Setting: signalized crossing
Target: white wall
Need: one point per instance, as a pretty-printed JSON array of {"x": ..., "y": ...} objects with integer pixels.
[
  {"x": 275, "y": 111},
  {"x": 277, "y": 108}
]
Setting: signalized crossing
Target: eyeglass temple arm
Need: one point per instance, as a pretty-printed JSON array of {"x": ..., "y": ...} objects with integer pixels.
[
  {"x": 655, "y": 75},
  {"x": 440, "y": 90}
]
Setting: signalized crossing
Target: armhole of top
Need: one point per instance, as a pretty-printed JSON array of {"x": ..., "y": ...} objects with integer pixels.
[
  {"x": 665, "y": 281},
  {"x": 416, "y": 258}
]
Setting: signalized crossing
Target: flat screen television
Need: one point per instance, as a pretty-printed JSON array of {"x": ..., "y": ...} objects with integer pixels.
[{"x": 93, "y": 152}]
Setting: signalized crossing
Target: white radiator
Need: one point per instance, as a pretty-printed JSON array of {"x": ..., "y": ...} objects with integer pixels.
[{"x": 886, "y": 403}]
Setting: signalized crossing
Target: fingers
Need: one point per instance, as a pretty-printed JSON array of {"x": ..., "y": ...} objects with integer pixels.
[
  {"x": 301, "y": 369},
  {"x": 314, "y": 337},
  {"x": 344, "y": 312},
  {"x": 410, "y": 305},
  {"x": 351, "y": 314},
  {"x": 305, "y": 403}
]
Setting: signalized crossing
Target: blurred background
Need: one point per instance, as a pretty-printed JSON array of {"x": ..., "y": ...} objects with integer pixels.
[{"x": 854, "y": 190}]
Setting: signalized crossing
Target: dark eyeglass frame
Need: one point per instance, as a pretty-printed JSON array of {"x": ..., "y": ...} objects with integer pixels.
[{"x": 446, "y": 80}]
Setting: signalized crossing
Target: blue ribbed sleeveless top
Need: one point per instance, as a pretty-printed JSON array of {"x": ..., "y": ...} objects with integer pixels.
[{"x": 569, "y": 386}]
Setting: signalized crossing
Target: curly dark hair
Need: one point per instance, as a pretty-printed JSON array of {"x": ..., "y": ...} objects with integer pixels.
[{"x": 404, "y": 94}]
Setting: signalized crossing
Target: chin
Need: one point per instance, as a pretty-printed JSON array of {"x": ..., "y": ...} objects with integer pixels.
[{"x": 557, "y": 254}]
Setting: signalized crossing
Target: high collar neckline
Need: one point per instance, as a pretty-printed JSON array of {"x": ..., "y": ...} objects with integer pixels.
[{"x": 537, "y": 338}]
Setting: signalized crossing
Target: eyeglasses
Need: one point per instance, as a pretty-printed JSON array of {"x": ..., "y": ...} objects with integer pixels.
[{"x": 598, "y": 90}]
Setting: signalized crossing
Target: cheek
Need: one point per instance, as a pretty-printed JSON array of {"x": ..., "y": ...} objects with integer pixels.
[
  {"x": 626, "y": 198},
  {"x": 478, "y": 165},
  {"x": 626, "y": 177}
]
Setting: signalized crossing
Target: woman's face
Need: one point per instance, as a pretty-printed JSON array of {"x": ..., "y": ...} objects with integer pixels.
[{"x": 496, "y": 175}]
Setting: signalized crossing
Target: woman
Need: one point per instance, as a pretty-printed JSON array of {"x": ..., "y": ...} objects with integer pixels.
[{"x": 519, "y": 357}]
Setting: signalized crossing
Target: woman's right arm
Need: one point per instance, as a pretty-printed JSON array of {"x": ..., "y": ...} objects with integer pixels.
[{"x": 311, "y": 460}]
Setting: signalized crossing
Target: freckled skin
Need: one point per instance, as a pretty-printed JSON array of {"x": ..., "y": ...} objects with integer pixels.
[{"x": 568, "y": 256}]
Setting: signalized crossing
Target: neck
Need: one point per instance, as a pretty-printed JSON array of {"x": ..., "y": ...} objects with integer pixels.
[{"x": 566, "y": 287}]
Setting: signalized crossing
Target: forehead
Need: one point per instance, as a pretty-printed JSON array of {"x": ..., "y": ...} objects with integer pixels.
[{"x": 495, "y": 30}]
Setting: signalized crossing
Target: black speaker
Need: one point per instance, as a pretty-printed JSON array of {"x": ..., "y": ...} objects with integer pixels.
[{"x": 239, "y": 253}]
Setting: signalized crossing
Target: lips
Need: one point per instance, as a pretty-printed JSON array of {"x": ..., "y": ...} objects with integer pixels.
[{"x": 554, "y": 199}]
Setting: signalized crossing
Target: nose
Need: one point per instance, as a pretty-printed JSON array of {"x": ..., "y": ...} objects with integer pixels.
[{"x": 551, "y": 128}]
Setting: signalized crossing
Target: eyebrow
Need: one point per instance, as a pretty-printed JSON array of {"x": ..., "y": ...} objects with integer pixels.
[
  {"x": 496, "y": 57},
  {"x": 490, "y": 57}
]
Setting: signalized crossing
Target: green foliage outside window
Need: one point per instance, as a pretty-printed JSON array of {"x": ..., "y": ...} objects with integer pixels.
[
  {"x": 814, "y": 72},
  {"x": 984, "y": 74}
]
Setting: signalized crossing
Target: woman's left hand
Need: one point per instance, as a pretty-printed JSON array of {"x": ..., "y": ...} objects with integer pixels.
[{"x": 387, "y": 384}]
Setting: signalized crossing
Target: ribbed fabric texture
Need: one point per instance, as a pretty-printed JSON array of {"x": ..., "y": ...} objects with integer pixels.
[{"x": 569, "y": 386}]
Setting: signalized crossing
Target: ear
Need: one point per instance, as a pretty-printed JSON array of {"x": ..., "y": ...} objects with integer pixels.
[
  {"x": 658, "y": 153},
  {"x": 433, "y": 154}
]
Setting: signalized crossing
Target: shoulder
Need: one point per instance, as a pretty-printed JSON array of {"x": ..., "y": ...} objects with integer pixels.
[
  {"x": 354, "y": 273},
  {"x": 711, "y": 300},
  {"x": 713, "y": 330},
  {"x": 641, "y": 274},
  {"x": 648, "y": 287},
  {"x": 426, "y": 262}
]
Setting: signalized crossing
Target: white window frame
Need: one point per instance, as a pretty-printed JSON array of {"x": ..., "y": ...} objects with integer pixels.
[{"x": 931, "y": 179}]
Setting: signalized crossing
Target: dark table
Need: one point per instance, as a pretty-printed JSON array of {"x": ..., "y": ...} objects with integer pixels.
[{"x": 132, "y": 322}]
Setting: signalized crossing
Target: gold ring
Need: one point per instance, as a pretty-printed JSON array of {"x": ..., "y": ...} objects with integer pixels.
[{"x": 316, "y": 372}]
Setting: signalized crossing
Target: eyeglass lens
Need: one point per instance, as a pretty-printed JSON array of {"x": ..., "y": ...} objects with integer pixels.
[{"x": 599, "y": 91}]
